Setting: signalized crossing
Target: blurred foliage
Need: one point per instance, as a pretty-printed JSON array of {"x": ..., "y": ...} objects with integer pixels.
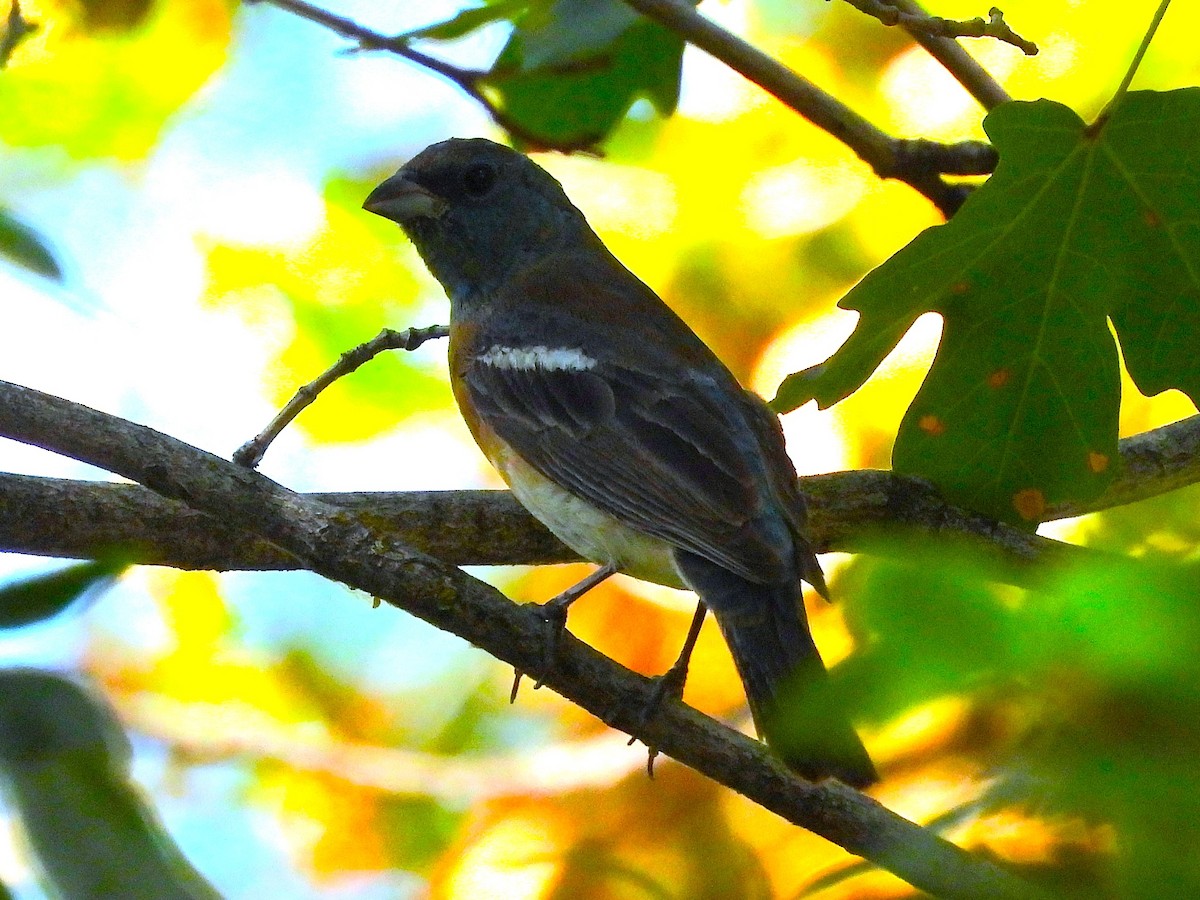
[
  {"x": 22, "y": 245},
  {"x": 1164, "y": 527},
  {"x": 1080, "y": 692},
  {"x": 114, "y": 15},
  {"x": 64, "y": 764},
  {"x": 100, "y": 79},
  {"x": 342, "y": 288},
  {"x": 43, "y": 596},
  {"x": 1053, "y": 727},
  {"x": 638, "y": 839}
]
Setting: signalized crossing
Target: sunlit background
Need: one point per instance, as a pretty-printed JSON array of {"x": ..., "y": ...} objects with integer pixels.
[{"x": 198, "y": 168}]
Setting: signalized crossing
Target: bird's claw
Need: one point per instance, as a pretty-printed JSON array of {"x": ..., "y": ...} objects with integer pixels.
[
  {"x": 554, "y": 618},
  {"x": 667, "y": 686},
  {"x": 651, "y": 756}
]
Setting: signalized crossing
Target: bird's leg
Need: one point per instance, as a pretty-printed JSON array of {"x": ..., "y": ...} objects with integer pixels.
[
  {"x": 554, "y": 614},
  {"x": 671, "y": 682}
]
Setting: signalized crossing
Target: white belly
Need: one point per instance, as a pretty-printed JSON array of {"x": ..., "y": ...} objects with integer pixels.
[{"x": 591, "y": 532}]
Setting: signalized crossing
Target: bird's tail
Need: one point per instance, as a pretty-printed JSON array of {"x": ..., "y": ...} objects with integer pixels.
[{"x": 786, "y": 682}]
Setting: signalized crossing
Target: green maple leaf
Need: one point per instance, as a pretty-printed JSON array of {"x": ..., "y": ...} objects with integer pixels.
[{"x": 1079, "y": 225}]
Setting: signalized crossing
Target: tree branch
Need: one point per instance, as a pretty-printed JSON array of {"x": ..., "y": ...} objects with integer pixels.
[
  {"x": 1152, "y": 463},
  {"x": 956, "y": 60},
  {"x": 922, "y": 23},
  {"x": 889, "y": 157},
  {"x": 824, "y": 110},
  {"x": 251, "y": 453},
  {"x": 469, "y": 81},
  {"x": 87, "y": 520},
  {"x": 84, "y": 520},
  {"x": 346, "y": 547}
]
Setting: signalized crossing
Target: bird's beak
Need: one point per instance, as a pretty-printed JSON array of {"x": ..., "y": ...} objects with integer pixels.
[{"x": 401, "y": 199}]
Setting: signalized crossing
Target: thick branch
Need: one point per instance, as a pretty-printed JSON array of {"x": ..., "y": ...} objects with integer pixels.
[
  {"x": 83, "y": 519},
  {"x": 345, "y": 547},
  {"x": 1152, "y": 463},
  {"x": 86, "y": 519}
]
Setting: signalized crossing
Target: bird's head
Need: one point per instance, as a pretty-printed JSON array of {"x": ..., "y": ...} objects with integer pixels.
[{"x": 475, "y": 210}]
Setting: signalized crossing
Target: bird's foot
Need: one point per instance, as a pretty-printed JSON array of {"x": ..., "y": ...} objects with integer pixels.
[
  {"x": 554, "y": 617},
  {"x": 667, "y": 686},
  {"x": 670, "y": 684}
]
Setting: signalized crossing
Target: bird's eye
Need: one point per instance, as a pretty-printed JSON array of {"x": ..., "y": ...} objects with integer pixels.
[{"x": 479, "y": 179}]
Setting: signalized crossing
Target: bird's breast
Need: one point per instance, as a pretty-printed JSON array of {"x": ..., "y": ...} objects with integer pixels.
[{"x": 586, "y": 529}]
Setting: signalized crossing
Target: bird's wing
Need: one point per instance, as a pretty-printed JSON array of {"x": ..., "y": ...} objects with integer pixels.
[{"x": 674, "y": 459}]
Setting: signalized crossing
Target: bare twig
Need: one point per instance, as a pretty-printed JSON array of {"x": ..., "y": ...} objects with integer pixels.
[
  {"x": 250, "y": 454},
  {"x": 993, "y": 26},
  {"x": 885, "y": 154},
  {"x": 963, "y": 158},
  {"x": 345, "y": 547},
  {"x": 16, "y": 29},
  {"x": 956, "y": 60},
  {"x": 467, "y": 79},
  {"x": 470, "y": 81}
]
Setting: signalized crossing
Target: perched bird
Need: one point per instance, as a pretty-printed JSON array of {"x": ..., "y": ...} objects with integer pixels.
[{"x": 618, "y": 428}]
